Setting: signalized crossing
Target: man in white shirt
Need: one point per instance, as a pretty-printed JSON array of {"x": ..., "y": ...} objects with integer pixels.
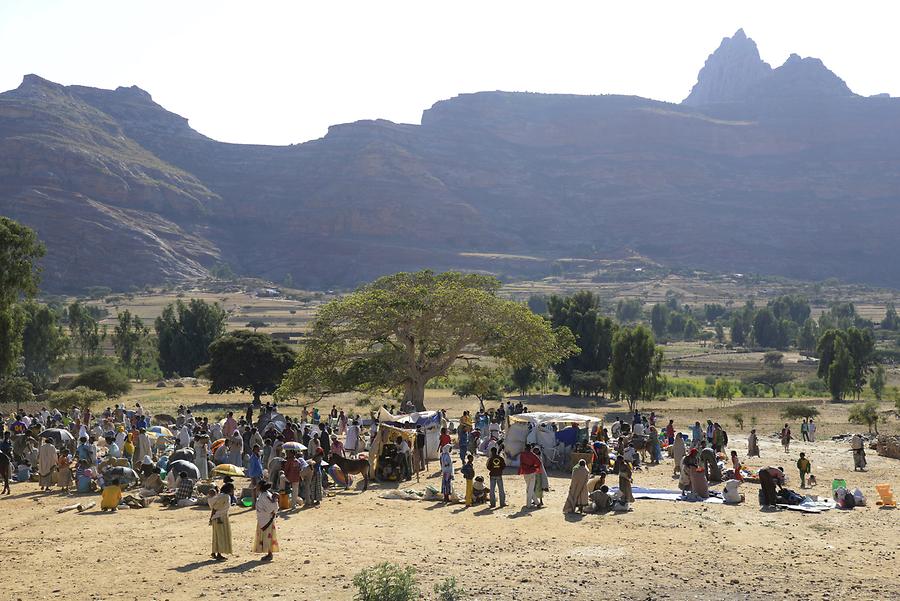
[{"x": 403, "y": 450}]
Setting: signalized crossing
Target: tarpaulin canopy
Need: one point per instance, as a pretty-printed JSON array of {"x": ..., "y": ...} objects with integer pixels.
[
  {"x": 541, "y": 428},
  {"x": 429, "y": 420},
  {"x": 548, "y": 417}
]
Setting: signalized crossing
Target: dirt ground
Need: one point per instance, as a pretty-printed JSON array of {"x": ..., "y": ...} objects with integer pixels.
[{"x": 659, "y": 550}]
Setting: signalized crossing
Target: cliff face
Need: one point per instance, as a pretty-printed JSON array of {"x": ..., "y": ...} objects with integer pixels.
[{"x": 780, "y": 171}]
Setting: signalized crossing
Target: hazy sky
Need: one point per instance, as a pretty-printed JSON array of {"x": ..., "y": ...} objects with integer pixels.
[{"x": 280, "y": 72}]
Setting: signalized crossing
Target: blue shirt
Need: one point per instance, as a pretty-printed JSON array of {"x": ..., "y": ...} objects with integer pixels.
[{"x": 255, "y": 470}]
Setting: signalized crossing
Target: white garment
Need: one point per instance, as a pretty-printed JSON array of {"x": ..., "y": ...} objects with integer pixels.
[
  {"x": 731, "y": 494},
  {"x": 638, "y": 429},
  {"x": 812, "y": 431},
  {"x": 352, "y": 442},
  {"x": 266, "y": 508},
  {"x": 46, "y": 458}
]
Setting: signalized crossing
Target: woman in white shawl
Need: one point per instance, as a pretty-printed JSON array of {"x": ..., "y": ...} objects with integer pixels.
[
  {"x": 201, "y": 457},
  {"x": 266, "y": 539},
  {"x": 446, "y": 473},
  {"x": 220, "y": 504},
  {"x": 236, "y": 450},
  {"x": 47, "y": 459},
  {"x": 351, "y": 445}
]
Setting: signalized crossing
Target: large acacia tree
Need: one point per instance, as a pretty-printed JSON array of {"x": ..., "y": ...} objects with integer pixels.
[{"x": 403, "y": 330}]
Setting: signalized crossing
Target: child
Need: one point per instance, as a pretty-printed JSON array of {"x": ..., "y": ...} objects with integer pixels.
[
  {"x": 65, "y": 472},
  {"x": 805, "y": 468},
  {"x": 479, "y": 490},
  {"x": 111, "y": 496},
  {"x": 601, "y": 499},
  {"x": 736, "y": 464},
  {"x": 468, "y": 472}
]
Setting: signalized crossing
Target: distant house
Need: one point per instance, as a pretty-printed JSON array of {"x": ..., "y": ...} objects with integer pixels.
[{"x": 268, "y": 292}]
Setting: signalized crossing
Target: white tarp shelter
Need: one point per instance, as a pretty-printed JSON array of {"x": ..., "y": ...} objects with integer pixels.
[
  {"x": 429, "y": 420},
  {"x": 537, "y": 428}
]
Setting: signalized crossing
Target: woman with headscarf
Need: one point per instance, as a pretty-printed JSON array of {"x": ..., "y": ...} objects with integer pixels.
[
  {"x": 316, "y": 492},
  {"x": 201, "y": 456},
  {"x": 446, "y": 473},
  {"x": 266, "y": 539},
  {"x": 578, "y": 499},
  {"x": 219, "y": 505},
  {"x": 600, "y": 459},
  {"x": 688, "y": 464},
  {"x": 236, "y": 449},
  {"x": 625, "y": 478},
  {"x": 697, "y": 474},
  {"x": 752, "y": 444},
  {"x": 678, "y": 451}
]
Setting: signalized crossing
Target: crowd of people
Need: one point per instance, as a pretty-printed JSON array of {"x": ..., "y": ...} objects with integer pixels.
[{"x": 287, "y": 460}]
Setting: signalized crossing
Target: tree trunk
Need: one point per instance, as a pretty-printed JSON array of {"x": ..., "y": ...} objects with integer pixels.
[
  {"x": 414, "y": 391},
  {"x": 257, "y": 401}
]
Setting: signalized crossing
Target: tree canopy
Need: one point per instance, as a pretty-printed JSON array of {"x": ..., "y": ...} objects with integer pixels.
[
  {"x": 593, "y": 332},
  {"x": 248, "y": 361},
  {"x": 44, "y": 343},
  {"x": 636, "y": 366},
  {"x": 845, "y": 360},
  {"x": 132, "y": 343},
  {"x": 184, "y": 332},
  {"x": 402, "y": 330},
  {"x": 19, "y": 275}
]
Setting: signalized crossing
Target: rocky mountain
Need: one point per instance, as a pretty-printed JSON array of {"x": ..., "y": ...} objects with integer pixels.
[{"x": 777, "y": 171}]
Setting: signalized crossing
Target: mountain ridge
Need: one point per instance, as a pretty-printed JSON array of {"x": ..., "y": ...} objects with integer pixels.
[{"x": 750, "y": 175}]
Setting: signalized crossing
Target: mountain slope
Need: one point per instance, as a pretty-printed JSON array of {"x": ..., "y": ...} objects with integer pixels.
[{"x": 781, "y": 171}]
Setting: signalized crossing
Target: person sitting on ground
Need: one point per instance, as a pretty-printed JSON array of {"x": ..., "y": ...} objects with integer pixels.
[
  {"x": 184, "y": 490},
  {"x": 601, "y": 500},
  {"x": 152, "y": 484},
  {"x": 111, "y": 496},
  {"x": 600, "y": 459},
  {"x": 631, "y": 456},
  {"x": 479, "y": 490},
  {"x": 730, "y": 493}
]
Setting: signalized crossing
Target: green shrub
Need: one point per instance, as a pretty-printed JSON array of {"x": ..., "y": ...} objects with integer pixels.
[
  {"x": 386, "y": 582},
  {"x": 104, "y": 378},
  {"x": 798, "y": 411},
  {"x": 449, "y": 590}
]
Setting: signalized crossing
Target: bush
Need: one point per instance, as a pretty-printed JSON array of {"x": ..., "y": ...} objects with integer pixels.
[
  {"x": 449, "y": 590},
  {"x": 865, "y": 415},
  {"x": 386, "y": 582},
  {"x": 80, "y": 397},
  {"x": 104, "y": 378},
  {"x": 798, "y": 411},
  {"x": 738, "y": 419}
]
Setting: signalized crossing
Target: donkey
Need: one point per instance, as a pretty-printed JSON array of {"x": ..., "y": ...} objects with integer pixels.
[{"x": 352, "y": 466}]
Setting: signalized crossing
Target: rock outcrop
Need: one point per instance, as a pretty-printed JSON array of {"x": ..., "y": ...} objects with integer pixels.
[{"x": 729, "y": 72}]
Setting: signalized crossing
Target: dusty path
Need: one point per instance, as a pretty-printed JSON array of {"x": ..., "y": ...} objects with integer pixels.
[{"x": 659, "y": 550}]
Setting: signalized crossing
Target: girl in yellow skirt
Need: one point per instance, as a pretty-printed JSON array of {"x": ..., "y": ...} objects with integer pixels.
[
  {"x": 266, "y": 539},
  {"x": 220, "y": 504}
]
